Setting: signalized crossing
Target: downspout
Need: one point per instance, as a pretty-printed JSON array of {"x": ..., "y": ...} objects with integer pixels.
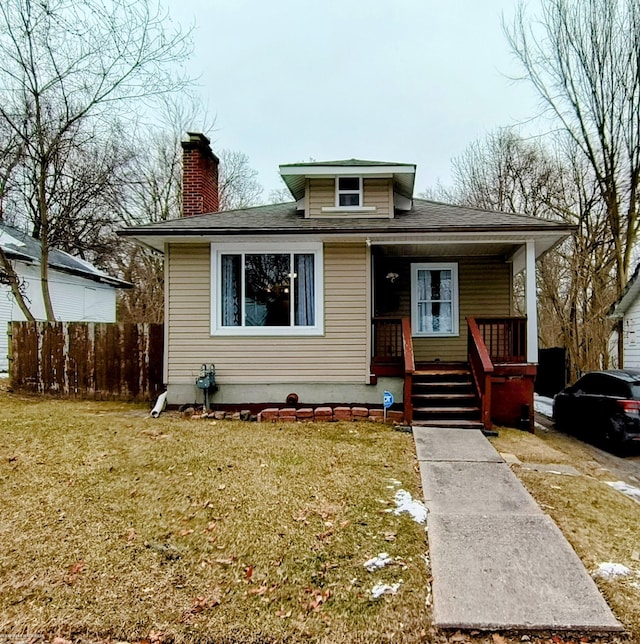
[{"x": 159, "y": 406}]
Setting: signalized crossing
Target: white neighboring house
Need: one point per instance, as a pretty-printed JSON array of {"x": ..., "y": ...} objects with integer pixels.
[
  {"x": 626, "y": 311},
  {"x": 79, "y": 291}
]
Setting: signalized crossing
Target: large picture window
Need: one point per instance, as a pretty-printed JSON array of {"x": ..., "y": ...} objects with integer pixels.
[
  {"x": 434, "y": 299},
  {"x": 267, "y": 292}
]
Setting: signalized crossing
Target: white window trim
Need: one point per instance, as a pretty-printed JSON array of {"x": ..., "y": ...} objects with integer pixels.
[
  {"x": 219, "y": 249},
  {"x": 359, "y": 192},
  {"x": 453, "y": 267},
  {"x": 356, "y": 209}
]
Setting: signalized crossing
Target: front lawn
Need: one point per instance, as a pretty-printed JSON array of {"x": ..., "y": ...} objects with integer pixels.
[
  {"x": 119, "y": 527},
  {"x": 602, "y": 524}
]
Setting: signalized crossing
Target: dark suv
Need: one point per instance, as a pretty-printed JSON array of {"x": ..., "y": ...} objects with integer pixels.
[{"x": 603, "y": 406}]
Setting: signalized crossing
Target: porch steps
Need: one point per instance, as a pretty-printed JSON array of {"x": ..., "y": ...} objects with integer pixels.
[
  {"x": 446, "y": 410},
  {"x": 450, "y": 424},
  {"x": 445, "y": 396}
]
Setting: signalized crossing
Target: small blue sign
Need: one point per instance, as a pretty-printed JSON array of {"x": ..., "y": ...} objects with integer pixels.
[{"x": 387, "y": 399}]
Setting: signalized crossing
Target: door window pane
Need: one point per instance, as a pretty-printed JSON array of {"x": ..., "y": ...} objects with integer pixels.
[{"x": 434, "y": 299}]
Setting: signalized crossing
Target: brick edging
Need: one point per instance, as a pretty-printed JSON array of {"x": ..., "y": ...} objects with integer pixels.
[
  {"x": 328, "y": 414},
  {"x": 321, "y": 413}
]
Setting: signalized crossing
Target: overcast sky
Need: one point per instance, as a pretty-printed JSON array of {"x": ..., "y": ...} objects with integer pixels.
[{"x": 391, "y": 80}]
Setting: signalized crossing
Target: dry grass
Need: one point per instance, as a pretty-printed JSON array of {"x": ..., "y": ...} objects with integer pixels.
[
  {"x": 601, "y": 524},
  {"x": 118, "y": 527},
  {"x": 123, "y": 527}
]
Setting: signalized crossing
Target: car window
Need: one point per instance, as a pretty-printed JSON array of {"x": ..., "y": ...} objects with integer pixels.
[
  {"x": 635, "y": 390},
  {"x": 602, "y": 385},
  {"x": 588, "y": 384},
  {"x": 614, "y": 387}
]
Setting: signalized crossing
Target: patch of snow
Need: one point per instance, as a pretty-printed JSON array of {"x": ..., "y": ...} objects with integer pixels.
[
  {"x": 395, "y": 482},
  {"x": 625, "y": 488},
  {"x": 609, "y": 570},
  {"x": 543, "y": 405},
  {"x": 384, "y": 589},
  {"x": 406, "y": 503},
  {"x": 380, "y": 561}
]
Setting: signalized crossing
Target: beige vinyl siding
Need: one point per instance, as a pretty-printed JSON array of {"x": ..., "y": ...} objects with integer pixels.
[
  {"x": 322, "y": 194},
  {"x": 340, "y": 355},
  {"x": 484, "y": 290},
  {"x": 376, "y": 193}
]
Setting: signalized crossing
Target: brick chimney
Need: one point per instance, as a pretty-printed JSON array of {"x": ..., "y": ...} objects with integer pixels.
[{"x": 199, "y": 176}]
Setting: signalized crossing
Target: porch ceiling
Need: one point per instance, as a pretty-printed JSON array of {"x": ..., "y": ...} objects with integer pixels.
[{"x": 504, "y": 249}]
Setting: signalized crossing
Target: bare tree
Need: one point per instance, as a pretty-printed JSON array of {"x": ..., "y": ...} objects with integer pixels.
[
  {"x": 154, "y": 194},
  {"x": 238, "y": 186},
  {"x": 583, "y": 58},
  {"x": 10, "y": 155},
  {"x": 576, "y": 282},
  {"x": 68, "y": 71}
]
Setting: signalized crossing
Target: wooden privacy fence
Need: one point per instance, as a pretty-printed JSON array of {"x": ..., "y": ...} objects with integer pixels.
[{"x": 87, "y": 359}]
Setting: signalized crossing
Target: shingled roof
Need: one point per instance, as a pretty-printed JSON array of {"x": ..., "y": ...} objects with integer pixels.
[
  {"x": 284, "y": 218},
  {"x": 21, "y": 246}
]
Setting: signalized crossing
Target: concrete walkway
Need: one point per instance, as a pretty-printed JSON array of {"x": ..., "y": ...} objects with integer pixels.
[{"x": 498, "y": 561}]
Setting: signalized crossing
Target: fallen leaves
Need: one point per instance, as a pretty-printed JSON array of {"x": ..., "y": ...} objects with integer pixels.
[
  {"x": 319, "y": 597},
  {"x": 283, "y": 614},
  {"x": 74, "y": 572},
  {"x": 200, "y": 604},
  {"x": 226, "y": 562}
]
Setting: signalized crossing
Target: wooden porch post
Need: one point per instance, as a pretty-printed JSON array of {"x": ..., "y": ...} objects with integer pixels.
[{"x": 531, "y": 302}]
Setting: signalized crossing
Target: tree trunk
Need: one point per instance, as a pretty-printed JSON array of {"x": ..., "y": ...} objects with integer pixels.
[
  {"x": 44, "y": 245},
  {"x": 14, "y": 282}
]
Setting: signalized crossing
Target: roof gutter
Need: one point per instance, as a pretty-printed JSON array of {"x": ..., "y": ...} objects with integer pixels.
[{"x": 207, "y": 232}]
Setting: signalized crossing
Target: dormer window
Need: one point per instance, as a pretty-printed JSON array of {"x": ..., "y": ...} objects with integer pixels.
[{"x": 349, "y": 192}]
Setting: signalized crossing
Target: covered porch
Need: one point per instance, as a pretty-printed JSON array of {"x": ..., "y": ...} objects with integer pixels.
[{"x": 444, "y": 321}]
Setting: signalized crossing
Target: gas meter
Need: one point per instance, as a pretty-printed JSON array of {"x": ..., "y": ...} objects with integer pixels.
[{"x": 207, "y": 382}]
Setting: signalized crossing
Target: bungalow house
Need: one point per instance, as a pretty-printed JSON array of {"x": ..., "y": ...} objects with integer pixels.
[
  {"x": 352, "y": 289},
  {"x": 79, "y": 291}
]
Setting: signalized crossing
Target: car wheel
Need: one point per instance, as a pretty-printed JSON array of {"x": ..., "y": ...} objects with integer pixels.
[
  {"x": 561, "y": 424},
  {"x": 614, "y": 438}
]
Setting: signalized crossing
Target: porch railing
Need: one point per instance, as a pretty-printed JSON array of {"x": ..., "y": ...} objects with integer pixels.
[
  {"x": 504, "y": 338},
  {"x": 393, "y": 354},
  {"x": 409, "y": 368},
  {"x": 481, "y": 369},
  {"x": 387, "y": 340}
]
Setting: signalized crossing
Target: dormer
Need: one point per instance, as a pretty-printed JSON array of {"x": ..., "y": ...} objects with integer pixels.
[{"x": 351, "y": 188}]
